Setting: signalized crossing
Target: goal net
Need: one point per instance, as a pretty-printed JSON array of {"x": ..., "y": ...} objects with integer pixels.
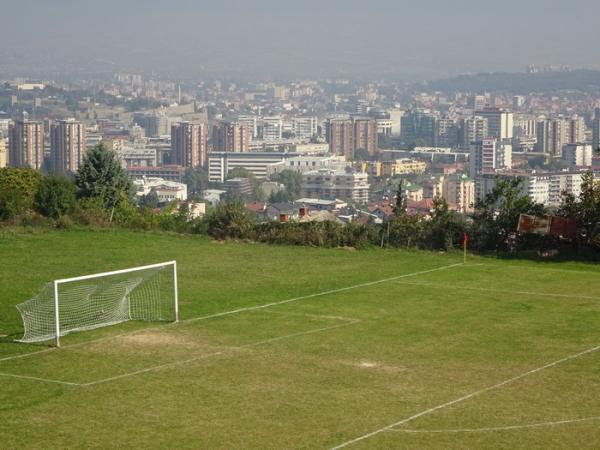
[{"x": 146, "y": 293}]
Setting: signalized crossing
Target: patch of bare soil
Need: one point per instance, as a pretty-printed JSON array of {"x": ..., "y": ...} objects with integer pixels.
[{"x": 373, "y": 365}]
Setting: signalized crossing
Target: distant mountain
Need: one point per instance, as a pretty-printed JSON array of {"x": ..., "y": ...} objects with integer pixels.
[{"x": 521, "y": 83}]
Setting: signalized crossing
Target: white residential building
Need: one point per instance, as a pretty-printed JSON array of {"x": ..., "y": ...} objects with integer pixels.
[
  {"x": 304, "y": 127},
  {"x": 396, "y": 118},
  {"x": 250, "y": 122},
  {"x": 220, "y": 163},
  {"x": 331, "y": 184},
  {"x": 500, "y": 122},
  {"x": 459, "y": 192},
  {"x": 579, "y": 155},
  {"x": 167, "y": 191},
  {"x": 303, "y": 164},
  {"x": 474, "y": 129},
  {"x": 138, "y": 156},
  {"x": 490, "y": 155},
  {"x": 385, "y": 127},
  {"x": 547, "y": 188},
  {"x": 272, "y": 128},
  {"x": 3, "y": 153}
]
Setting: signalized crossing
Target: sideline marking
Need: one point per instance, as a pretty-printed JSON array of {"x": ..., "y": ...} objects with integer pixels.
[
  {"x": 506, "y": 428},
  {"x": 543, "y": 269},
  {"x": 319, "y": 294},
  {"x": 236, "y": 311},
  {"x": 464, "y": 397},
  {"x": 443, "y": 286}
]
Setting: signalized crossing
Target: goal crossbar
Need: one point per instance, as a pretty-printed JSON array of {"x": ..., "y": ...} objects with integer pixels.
[
  {"x": 136, "y": 293},
  {"x": 116, "y": 272}
]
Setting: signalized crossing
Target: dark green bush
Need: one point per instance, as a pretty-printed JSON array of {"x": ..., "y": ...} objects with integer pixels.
[{"x": 55, "y": 196}]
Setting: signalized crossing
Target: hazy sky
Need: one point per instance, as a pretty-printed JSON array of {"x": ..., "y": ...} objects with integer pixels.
[{"x": 272, "y": 38}]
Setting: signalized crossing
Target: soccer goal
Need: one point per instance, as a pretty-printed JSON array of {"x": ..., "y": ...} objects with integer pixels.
[{"x": 147, "y": 293}]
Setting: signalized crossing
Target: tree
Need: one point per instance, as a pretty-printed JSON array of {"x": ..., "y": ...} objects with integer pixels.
[
  {"x": 229, "y": 220},
  {"x": 101, "y": 175},
  {"x": 239, "y": 172},
  {"x": 401, "y": 203},
  {"x": 496, "y": 217},
  {"x": 291, "y": 180},
  {"x": 280, "y": 197},
  {"x": 585, "y": 210},
  {"x": 257, "y": 193},
  {"x": 196, "y": 179},
  {"x": 149, "y": 200},
  {"x": 362, "y": 154},
  {"x": 445, "y": 229},
  {"x": 18, "y": 188},
  {"x": 55, "y": 196}
]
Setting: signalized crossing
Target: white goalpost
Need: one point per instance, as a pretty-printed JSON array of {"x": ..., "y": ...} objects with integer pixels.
[{"x": 146, "y": 293}]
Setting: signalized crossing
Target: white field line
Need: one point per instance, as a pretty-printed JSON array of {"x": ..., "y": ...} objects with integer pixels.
[
  {"x": 506, "y": 428},
  {"x": 542, "y": 269},
  {"x": 26, "y": 355},
  {"x": 151, "y": 369},
  {"x": 45, "y": 380},
  {"x": 184, "y": 361},
  {"x": 505, "y": 291},
  {"x": 316, "y": 316},
  {"x": 241, "y": 347},
  {"x": 240, "y": 310},
  {"x": 320, "y": 294},
  {"x": 465, "y": 397}
]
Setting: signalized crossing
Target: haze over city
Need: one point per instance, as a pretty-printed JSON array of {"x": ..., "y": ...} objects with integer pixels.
[
  {"x": 333, "y": 224},
  {"x": 379, "y": 39}
]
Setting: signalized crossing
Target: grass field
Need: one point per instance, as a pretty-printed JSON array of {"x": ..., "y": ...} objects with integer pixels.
[{"x": 374, "y": 349}]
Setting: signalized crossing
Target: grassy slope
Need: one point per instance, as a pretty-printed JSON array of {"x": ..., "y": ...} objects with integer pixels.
[{"x": 428, "y": 341}]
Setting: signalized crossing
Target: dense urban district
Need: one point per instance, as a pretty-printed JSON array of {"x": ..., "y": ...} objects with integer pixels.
[{"x": 469, "y": 154}]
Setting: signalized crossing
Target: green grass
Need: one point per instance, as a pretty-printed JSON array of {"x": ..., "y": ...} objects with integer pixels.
[{"x": 313, "y": 373}]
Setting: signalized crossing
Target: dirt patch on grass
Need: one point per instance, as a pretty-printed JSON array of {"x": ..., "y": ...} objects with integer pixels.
[
  {"x": 153, "y": 338},
  {"x": 153, "y": 341},
  {"x": 374, "y": 365},
  {"x": 368, "y": 365}
]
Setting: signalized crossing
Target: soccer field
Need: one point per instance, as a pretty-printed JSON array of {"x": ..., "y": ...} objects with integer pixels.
[{"x": 292, "y": 347}]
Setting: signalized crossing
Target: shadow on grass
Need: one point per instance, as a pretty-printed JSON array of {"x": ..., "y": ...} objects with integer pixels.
[{"x": 15, "y": 336}]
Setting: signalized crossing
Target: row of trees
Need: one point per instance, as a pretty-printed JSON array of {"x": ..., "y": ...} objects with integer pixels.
[
  {"x": 101, "y": 182},
  {"x": 101, "y": 193}
]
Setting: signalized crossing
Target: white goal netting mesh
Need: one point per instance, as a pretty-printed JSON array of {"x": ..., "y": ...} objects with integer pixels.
[{"x": 145, "y": 294}]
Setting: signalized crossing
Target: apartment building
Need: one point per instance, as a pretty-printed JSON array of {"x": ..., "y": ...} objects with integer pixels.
[
  {"x": 26, "y": 144},
  {"x": 67, "y": 145},
  {"x": 331, "y": 184},
  {"x": 189, "y": 144}
]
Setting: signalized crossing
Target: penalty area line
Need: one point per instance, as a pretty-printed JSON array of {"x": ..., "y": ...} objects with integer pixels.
[
  {"x": 44, "y": 380},
  {"x": 26, "y": 355},
  {"x": 465, "y": 397},
  {"x": 228, "y": 349}
]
